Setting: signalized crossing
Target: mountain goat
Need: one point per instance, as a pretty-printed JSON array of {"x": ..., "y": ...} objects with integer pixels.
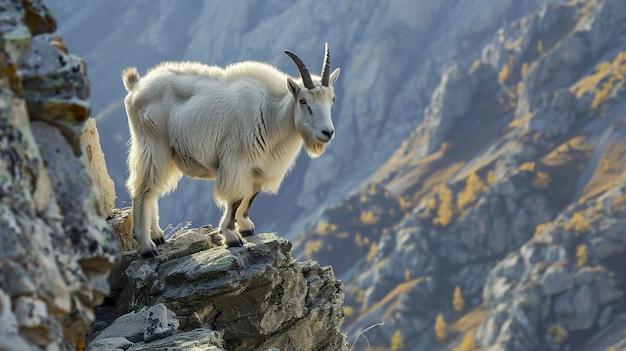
[{"x": 242, "y": 126}]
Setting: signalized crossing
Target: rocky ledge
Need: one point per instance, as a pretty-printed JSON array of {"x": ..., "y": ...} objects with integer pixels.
[{"x": 199, "y": 293}]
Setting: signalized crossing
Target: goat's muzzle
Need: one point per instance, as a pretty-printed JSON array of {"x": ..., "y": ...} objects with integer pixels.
[{"x": 326, "y": 135}]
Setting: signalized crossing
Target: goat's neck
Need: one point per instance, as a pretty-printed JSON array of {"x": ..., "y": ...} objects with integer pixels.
[{"x": 284, "y": 125}]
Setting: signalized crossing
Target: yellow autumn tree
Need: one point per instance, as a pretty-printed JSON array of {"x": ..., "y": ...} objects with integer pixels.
[
  {"x": 541, "y": 181},
  {"x": 540, "y": 228},
  {"x": 524, "y": 70},
  {"x": 440, "y": 328},
  {"x": 504, "y": 74},
  {"x": 445, "y": 210},
  {"x": 491, "y": 177},
  {"x": 360, "y": 296},
  {"x": 369, "y": 218},
  {"x": 581, "y": 255},
  {"x": 311, "y": 247},
  {"x": 397, "y": 342},
  {"x": 475, "y": 66},
  {"x": 559, "y": 334},
  {"x": 348, "y": 311},
  {"x": 468, "y": 343},
  {"x": 473, "y": 185},
  {"x": 579, "y": 223},
  {"x": 371, "y": 252},
  {"x": 457, "y": 300}
]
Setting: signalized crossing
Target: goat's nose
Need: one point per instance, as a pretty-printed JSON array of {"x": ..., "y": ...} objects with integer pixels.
[{"x": 329, "y": 133}]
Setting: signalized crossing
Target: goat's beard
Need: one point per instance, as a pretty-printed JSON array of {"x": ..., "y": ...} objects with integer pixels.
[{"x": 314, "y": 148}]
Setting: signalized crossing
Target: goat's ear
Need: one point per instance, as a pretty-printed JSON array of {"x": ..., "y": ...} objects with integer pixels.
[
  {"x": 334, "y": 76},
  {"x": 293, "y": 87}
]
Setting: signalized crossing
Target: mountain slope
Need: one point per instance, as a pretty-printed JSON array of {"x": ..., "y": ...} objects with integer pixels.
[{"x": 511, "y": 185}]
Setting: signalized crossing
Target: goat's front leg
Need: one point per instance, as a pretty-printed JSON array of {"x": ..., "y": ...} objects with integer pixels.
[
  {"x": 245, "y": 226},
  {"x": 156, "y": 233},
  {"x": 227, "y": 225},
  {"x": 141, "y": 225}
]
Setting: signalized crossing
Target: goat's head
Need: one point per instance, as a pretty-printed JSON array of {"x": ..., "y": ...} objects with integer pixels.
[{"x": 313, "y": 102}]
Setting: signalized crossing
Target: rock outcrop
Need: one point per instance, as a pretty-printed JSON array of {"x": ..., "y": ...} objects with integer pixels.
[
  {"x": 257, "y": 297},
  {"x": 90, "y": 139},
  {"x": 57, "y": 249}
]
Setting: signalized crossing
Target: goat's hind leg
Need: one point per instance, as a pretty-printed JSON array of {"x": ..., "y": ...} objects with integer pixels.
[
  {"x": 151, "y": 174},
  {"x": 227, "y": 225},
  {"x": 141, "y": 223}
]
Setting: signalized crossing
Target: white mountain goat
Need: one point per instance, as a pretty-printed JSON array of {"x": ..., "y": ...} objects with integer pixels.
[{"x": 242, "y": 126}]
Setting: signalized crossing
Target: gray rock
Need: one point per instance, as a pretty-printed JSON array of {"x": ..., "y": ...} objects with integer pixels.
[
  {"x": 452, "y": 100},
  {"x": 605, "y": 315},
  {"x": 76, "y": 193},
  {"x": 556, "y": 279},
  {"x": 130, "y": 326},
  {"x": 159, "y": 323},
  {"x": 149, "y": 324},
  {"x": 10, "y": 336},
  {"x": 577, "y": 309},
  {"x": 197, "y": 339},
  {"x": 111, "y": 343},
  {"x": 556, "y": 115},
  {"x": 96, "y": 327},
  {"x": 489, "y": 330},
  {"x": 56, "y": 87}
]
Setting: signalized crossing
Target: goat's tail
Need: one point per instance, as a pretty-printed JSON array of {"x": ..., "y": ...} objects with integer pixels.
[{"x": 130, "y": 77}]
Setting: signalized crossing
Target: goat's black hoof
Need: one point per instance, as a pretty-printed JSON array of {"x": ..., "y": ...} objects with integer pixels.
[
  {"x": 235, "y": 243},
  {"x": 159, "y": 241},
  {"x": 149, "y": 254},
  {"x": 249, "y": 232}
]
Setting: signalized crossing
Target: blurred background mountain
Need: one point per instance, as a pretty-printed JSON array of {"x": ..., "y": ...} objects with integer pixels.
[
  {"x": 391, "y": 55},
  {"x": 474, "y": 195}
]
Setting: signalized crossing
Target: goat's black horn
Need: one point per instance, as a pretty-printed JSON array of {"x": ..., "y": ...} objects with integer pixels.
[{"x": 304, "y": 72}]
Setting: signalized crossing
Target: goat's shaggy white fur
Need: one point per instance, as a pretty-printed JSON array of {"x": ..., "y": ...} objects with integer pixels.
[{"x": 242, "y": 126}]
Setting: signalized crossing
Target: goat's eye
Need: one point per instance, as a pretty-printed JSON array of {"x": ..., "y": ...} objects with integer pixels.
[{"x": 303, "y": 102}]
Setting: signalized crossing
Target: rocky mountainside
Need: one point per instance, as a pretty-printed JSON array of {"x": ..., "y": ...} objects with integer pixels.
[
  {"x": 390, "y": 53},
  {"x": 498, "y": 223}
]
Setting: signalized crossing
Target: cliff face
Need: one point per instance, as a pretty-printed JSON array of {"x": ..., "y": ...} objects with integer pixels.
[
  {"x": 57, "y": 248},
  {"x": 501, "y": 214}
]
